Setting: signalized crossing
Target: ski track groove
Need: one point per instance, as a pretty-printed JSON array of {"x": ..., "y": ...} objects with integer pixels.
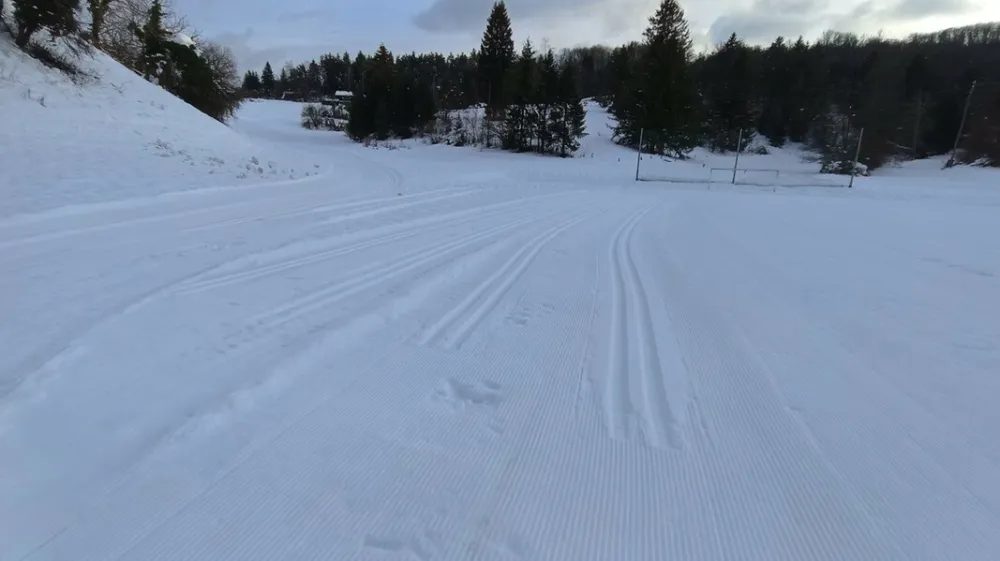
[
  {"x": 366, "y": 282},
  {"x": 301, "y": 210},
  {"x": 618, "y": 407},
  {"x": 351, "y": 458},
  {"x": 631, "y": 323},
  {"x": 400, "y": 231},
  {"x": 456, "y": 250},
  {"x": 404, "y": 201},
  {"x": 184, "y": 213},
  {"x": 161, "y": 551},
  {"x": 191, "y": 285},
  {"x": 661, "y": 421},
  {"x": 500, "y": 282},
  {"x": 179, "y": 505},
  {"x": 168, "y": 437},
  {"x": 370, "y": 277},
  {"x": 583, "y": 363}
]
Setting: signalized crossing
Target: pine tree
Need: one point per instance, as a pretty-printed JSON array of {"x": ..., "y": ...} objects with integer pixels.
[
  {"x": 348, "y": 76},
  {"x": 380, "y": 82},
  {"x": 252, "y": 83},
  {"x": 191, "y": 78},
  {"x": 546, "y": 101},
  {"x": 58, "y": 16},
  {"x": 333, "y": 74},
  {"x": 314, "y": 79},
  {"x": 496, "y": 55},
  {"x": 267, "y": 84},
  {"x": 358, "y": 69},
  {"x": 808, "y": 96},
  {"x": 776, "y": 81},
  {"x": 154, "y": 62},
  {"x": 373, "y": 111},
  {"x": 281, "y": 84},
  {"x": 729, "y": 93},
  {"x": 519, "y": 123},
  {"x": 663, "y": 102},
  {"x": 570, "y": 126}
]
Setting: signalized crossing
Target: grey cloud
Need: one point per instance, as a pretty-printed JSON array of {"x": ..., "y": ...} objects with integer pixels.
[
  {"x": 768, "y": 19},
  {"x": 790, "y": 7},
  {"x": 918, "y": 9},
  {"x": 470, "y": 15},
  {"x": 453, "y": 15},
  {"x": 298, "y": 17},
  {"x": 874, "y": 14},
  {"x": 250, "y": 58}
]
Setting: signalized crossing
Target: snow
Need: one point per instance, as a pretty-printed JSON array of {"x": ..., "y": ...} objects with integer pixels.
[
  {"x": 184, "y": 39},
  {"x": 110, "y": 135},
  {"x": 452, "y": 353}
]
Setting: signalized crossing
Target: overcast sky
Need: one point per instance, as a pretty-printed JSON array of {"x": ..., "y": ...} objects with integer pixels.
[{"x": 299, "y": 30}]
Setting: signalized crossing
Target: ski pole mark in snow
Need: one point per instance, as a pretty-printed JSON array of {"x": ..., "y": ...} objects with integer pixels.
[
  {"x": 424, "y": 547},
  {"x": 458, "y": 394},
  {"x": 500, "y": 282},
  {"x": 523, "y": 314},
  {"x": 631, "y": 323}
]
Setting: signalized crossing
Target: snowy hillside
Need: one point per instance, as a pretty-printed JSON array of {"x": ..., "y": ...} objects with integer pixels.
[
  {"x": 450, "y": 354},
  {"x": 111, "y": 135}
]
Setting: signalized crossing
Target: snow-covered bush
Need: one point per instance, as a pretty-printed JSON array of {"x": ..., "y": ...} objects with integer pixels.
[
  {"x": 57, "y": 16},
  {"x": 323, "y": 117}
]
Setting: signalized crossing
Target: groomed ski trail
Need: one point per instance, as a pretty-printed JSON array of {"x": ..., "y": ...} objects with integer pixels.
[{"x": 527, "y": 362}]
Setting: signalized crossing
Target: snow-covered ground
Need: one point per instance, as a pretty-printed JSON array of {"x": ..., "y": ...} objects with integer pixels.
[
  {"x": 111, "y": 135},
  {"x": 437, "y": 353}
]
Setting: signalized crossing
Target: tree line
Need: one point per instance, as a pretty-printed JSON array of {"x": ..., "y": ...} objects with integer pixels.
[
  {"x": 907, "y": 95},
  {"x": 144, "y": 35},
  {"x": 530, "y": 101}
]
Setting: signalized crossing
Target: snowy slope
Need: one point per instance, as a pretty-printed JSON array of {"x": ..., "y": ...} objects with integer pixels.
[
  {"x": 452, "y": 354},
  {"x": 112, "y": 135}
]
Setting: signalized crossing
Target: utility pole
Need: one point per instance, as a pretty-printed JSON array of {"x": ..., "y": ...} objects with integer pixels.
[{"x": 961, "y": 126}]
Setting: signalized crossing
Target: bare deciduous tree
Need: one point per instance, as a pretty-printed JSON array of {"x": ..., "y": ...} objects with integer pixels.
[
  {"x": 115, "y": 32},
  {"x": 222, "y": 61}
]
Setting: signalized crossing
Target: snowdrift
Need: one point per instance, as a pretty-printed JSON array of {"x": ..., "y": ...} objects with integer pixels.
[{"x": 110, "y": 135}]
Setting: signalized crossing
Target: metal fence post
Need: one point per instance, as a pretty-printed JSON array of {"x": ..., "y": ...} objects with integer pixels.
[
  {"x": 739, "y": 143},
  {"x": 638, "y": 157},
  {"x": 857, "y": 156}
]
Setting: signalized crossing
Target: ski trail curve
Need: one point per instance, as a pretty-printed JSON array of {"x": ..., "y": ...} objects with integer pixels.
[
  {"x": 617, "y": 403},
  {"x": 635, "y": 398}
]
